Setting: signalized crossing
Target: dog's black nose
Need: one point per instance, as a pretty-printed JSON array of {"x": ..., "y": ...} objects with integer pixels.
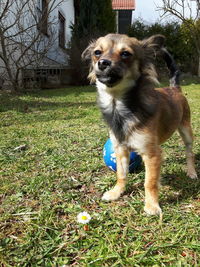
[{"x": 104, "y": 63}]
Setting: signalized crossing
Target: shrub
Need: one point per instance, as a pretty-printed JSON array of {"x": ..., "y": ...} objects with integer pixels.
[
  {"x": 178, "y": 41},
  {"x": 95, "y": 18}
]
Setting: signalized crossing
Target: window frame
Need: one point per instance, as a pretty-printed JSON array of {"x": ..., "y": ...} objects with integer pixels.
[
  {"x": 61, "y": 30},
  {"x": 43, "y": 17}
]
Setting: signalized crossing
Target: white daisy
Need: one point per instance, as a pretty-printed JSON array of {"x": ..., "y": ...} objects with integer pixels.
[{"x": 83, "y": 217}]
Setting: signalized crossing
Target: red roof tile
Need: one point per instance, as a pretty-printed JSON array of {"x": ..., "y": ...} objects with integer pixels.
[{"x": 123, "y": 4}]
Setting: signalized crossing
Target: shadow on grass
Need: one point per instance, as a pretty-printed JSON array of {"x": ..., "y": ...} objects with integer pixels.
[
  {"x": 184, "y": 186},
  {"x": 15, "y": 102},
  {"x": 62, "y": 92},
  {"x": 184, "y": 80},
  {"x": 181, "y": 187}
]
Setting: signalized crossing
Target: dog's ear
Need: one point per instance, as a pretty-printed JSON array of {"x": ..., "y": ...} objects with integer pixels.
[
  {"x": 87, "y": 53},
  {"x": 155, "y": 42}
]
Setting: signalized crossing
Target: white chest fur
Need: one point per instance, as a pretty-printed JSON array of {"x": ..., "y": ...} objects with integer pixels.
[
  {"x": 105, "y": 99},
  {"x": 136, "y": 141},
  {"x": 108, "y": 95}
]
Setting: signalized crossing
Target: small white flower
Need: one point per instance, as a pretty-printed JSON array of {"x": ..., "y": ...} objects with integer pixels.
[{"x": 83, "y": 217}]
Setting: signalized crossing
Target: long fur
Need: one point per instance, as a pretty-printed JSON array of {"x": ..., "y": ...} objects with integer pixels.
[
  {"x": 135, "y": 105},
  {"x": 140, "y": 117},
  {"x": 173, "y": 68}
]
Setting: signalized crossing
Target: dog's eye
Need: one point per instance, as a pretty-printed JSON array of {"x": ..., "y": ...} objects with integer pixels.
[
  {"x": 125, "y": 54},
  {"x": 97, "y": 53}
]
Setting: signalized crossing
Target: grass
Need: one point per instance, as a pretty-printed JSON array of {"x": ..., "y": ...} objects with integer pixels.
[{"x": 59, "y": 172}]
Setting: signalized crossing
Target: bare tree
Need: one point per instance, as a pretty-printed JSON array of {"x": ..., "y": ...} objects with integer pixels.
[
  {"x": 184, "y": 11},
  {"x": 26, "y": 35}
]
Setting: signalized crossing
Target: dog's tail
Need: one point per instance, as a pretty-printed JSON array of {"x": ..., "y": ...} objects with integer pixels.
[{"x": 173, "y": 68}]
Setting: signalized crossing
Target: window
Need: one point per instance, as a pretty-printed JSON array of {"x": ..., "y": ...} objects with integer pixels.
[
  {"x": 61, "y": 30},
  {"x": 43, "y": 17}
]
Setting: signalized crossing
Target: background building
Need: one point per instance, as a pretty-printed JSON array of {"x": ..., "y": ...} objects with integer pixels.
[{"x": 124, "y": 10}]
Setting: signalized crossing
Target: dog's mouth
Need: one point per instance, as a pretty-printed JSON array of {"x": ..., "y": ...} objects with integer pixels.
[{"x": 110, "y": 78}]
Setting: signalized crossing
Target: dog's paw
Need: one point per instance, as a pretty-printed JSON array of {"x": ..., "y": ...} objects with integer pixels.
[
  {"x": 152, "y": 209},
  {"x": 111, "y": 195},
  {"x": 192, "y": 174}
]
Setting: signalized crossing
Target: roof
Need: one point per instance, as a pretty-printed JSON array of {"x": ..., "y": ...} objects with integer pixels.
[{"x": 123, "y": 4}]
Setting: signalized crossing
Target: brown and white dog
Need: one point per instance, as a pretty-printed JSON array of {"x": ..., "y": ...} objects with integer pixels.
[{"x": 140, "y": 117}]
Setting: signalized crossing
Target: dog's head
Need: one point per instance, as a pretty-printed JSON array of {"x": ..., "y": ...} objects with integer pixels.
[{"x": 117, "y": 57}]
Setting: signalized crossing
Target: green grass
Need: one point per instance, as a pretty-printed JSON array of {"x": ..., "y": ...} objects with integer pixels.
[{"x": 61, "y": 173}]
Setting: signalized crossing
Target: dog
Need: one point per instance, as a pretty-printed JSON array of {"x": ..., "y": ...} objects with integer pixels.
[{"x": 140, "y": 116}]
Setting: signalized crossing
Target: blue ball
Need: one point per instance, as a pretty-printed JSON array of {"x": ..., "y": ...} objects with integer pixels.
[{"x": 110, "y": 158}]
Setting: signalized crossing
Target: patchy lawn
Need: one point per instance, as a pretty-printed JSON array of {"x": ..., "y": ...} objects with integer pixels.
[{"x": 51, "y": 168}]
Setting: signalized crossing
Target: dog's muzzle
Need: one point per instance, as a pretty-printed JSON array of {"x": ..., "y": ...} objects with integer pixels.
[
  {"x": 104, "y": 64},
  {"x": 107, "y": 73}
]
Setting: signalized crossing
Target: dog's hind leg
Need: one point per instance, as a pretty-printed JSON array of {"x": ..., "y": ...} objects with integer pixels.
[
  {"x": 123, "y": 158},
  {"x": 185, "y": 131}
]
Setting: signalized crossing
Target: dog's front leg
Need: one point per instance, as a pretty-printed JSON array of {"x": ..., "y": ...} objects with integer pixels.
[
  {"x": 123, "y": 158},
  {"x": 152, "y": 162}
]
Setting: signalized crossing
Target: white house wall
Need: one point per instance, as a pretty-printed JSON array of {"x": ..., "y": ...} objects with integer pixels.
[{"x": 57, "y": 53}]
